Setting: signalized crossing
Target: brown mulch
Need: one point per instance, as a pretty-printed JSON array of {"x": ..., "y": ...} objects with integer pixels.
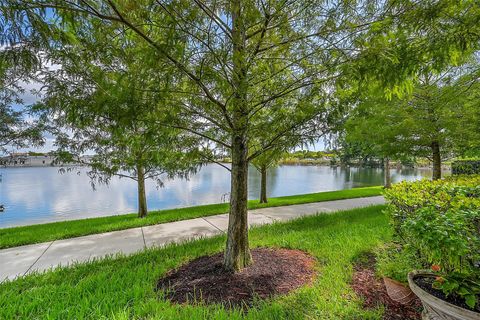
[
  {"x": 374, "y": 293},
  {"x": 273, "y": 272}
]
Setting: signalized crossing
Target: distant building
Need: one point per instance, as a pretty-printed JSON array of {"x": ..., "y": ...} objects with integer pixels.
[
  {"x": 26, "y": 160},
  {"x": 19, "y": 159}
]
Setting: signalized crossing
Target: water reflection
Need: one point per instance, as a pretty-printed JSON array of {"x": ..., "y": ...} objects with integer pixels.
[{"x": 36, "y": 195}]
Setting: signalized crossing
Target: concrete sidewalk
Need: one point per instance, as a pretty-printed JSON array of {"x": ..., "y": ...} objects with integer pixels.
[{"x": 19, "y": 261}]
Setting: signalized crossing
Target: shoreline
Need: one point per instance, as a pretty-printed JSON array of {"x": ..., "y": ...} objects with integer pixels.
[{"x": 286, "y": 162}]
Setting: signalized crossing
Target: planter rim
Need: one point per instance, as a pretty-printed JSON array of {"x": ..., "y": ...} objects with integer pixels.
[{"x": 438, "y": 303}]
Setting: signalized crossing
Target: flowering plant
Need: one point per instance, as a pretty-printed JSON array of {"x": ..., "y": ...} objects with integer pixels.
[{"x": 463, "y": 285}]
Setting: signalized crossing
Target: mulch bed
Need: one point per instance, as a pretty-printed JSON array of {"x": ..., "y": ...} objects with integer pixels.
[
  {"x": 273, "y": 272},
  {"x": 374, "y": 293}
]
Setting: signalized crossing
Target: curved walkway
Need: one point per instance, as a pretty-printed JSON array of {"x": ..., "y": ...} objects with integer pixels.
[{"x": 19, "y": 261}]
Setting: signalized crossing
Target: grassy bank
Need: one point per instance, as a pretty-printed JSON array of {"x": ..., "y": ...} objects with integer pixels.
[
  {"x": 11, "y": 237},
  {"x": 123, "y": 287}
]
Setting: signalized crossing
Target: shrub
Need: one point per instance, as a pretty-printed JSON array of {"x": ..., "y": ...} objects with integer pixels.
[
  {"x": 466, "y": 167},
  {"x": 450, "y": 239},
  {"x": 440, "y": 222},
  {"x": 454, "y": 193}
]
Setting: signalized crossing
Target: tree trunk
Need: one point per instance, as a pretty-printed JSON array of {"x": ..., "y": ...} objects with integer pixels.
[
  {"x": 263, "y": 185},
  {"x": 237, "y": 253},
  {"x": 388, "y": 178},
  {"x": 142, "y": 199},
  {"x": 437, "y": 161}
]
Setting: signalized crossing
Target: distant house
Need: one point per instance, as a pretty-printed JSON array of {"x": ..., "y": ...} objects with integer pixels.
[
  {"x": 20, "y": 159},
  {"x": 23, "y": 159}
]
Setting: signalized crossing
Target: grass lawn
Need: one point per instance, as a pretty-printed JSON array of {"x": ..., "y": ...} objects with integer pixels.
[
  {"x": 123, "y": 287},
  {"x": 11, "y": 237}
]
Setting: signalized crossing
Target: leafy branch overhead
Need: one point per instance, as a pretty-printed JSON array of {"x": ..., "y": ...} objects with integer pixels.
[{"x": 16, "y": 66}]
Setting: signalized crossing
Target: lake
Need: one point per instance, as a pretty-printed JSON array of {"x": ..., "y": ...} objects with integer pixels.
[{"x": 43, "y": 194}]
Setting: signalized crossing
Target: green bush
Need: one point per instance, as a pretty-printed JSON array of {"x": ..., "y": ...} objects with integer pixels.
[
  {"x": 454, "y": 193},
  {"x": 466, "y": 167},
  {"x": 440, "y": 222}
]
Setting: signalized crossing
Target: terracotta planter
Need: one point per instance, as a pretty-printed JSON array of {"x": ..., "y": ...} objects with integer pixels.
[
  {"x": 435, "y": 308},
  {"x": 398, "y": 292}
]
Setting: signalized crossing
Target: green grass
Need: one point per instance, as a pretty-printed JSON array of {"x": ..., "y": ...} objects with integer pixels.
[
  {"x": 11, "y": 237},
  {"x": 123, "y": 287}
]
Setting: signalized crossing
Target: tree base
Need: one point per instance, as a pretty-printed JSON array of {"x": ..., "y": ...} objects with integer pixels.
[
  {"x": 237, "y": 265},
  {"x": 204, "y": 280}
]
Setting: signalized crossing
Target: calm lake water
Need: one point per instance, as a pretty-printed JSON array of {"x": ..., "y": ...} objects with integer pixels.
[{"x": 38, "y": 195}]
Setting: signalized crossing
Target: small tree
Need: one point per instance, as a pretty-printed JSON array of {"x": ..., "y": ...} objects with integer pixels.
[
  {"x": 106, "y": 104},
  {"x": 262, "y": 163},
  {"x": 438, "y": 117}
]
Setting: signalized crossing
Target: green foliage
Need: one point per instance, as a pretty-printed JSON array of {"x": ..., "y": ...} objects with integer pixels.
[
  {"x": 17, "y": 236},
  {"x": 16, "y": 66},
  {"x": 308, "y": 157},
  {"x": 449, "y": 239},
  {"x": 440, "y": 221},
  {"x": 466, "y": 166},
  {"x": 423, "y": 36},
  {"x": 396, "y": 263},
  {"x": 441, "y": 109},
  {"x": 123, "y": 287},
  {"x": 405, "y": 198},
  {"x": 472, "y": 153},
  {"x": 15, "y": 131},
  {"x": 268, "y": 159},
  {"x": 308, "y": 154}
]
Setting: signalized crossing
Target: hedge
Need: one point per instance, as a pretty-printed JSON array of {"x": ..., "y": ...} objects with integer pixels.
[
  {"x": 466, "y": 167},
  {"x": 455, "y": 192}
]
